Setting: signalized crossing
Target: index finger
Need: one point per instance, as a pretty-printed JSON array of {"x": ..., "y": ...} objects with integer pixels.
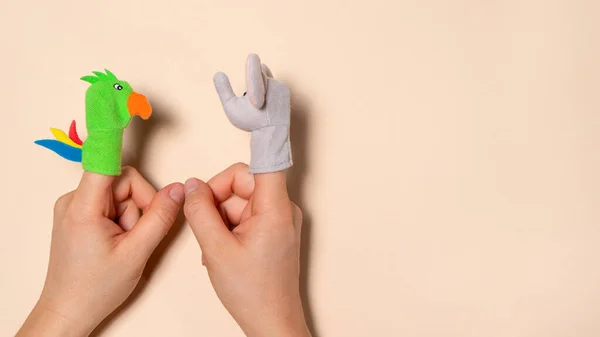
[
  {"x": 234, "y": 180},
  {"x": 132, "y": 185}
]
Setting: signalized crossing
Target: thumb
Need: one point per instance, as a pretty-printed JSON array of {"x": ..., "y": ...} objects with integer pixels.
[
  {"x": 204, "y": 218},
  {"x": 154, "y": 225},
  {"x": 270, "y": 191}
]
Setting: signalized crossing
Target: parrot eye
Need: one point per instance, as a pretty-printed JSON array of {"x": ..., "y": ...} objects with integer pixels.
[{"x": 118, "y": 86}]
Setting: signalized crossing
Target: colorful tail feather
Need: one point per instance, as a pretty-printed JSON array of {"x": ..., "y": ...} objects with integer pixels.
[
  {"x": 73, "y": 134},
  {"x": 68, "y": 147}
]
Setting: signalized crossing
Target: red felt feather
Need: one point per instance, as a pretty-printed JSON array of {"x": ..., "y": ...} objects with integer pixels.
[{"x": 73, "y": 134}]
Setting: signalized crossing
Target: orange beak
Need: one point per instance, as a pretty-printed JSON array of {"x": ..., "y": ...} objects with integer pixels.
[{"x": 138, "y": 105}]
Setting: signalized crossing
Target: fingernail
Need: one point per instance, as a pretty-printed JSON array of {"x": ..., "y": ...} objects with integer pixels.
[
  {"x": 191, "y": 185},
  {"x": 176, "y": 193}
]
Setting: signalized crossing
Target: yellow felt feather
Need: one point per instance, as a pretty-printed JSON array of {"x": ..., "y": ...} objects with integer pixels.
[{"x": 63, "y": 138}]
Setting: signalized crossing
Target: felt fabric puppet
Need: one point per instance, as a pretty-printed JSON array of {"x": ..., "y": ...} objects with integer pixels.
[
  {"x": 110, "y": 104},
  {"x": 263, "y": 110}
]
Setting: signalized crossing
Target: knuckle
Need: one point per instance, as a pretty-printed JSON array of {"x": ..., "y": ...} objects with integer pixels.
[
  {"x": 129, "y": 170},
  {"x": 165, "y": 214},
  {"x": 296, "y": 209},
  {"x": 239, "y": 166},
  {"x": 208, "y": 260},
  {"x": 288, "y": 211},
  {"x": 58, "y": 205},
  {"x": 62, "y": 202},
  {"x": 286, "y": 236},
  {"x": 68, "y": 218},
  {"x": 192, "y": 205},
  {"x": 298, "y": 215}
]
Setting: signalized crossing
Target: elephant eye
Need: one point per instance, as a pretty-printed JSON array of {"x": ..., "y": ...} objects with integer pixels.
[{"x": 118, "y": 86}]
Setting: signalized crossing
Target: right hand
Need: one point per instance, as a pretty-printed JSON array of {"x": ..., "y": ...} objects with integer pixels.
[{"x": 249, "y": 233}]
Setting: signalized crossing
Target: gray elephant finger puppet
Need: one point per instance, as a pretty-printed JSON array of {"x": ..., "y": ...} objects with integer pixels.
[{"x": 263, "y": 110}]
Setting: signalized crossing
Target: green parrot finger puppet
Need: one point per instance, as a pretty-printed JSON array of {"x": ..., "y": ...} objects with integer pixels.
[
  {"x": 110, "y": 104},
  {"x": 263, "y": 110}
]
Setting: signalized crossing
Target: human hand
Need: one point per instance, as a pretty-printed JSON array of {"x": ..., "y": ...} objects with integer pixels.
[
  {"x": 249, "y": 232},
  {"x": 95, "y": 261},
  {"x": 265, "y": 111}
]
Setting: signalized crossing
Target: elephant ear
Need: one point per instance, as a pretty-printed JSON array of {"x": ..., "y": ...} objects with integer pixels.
[{"x": 255, "y": 82}]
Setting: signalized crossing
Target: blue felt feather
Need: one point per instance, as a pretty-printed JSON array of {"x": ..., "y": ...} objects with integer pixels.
[{"x": 66, "y": 151}]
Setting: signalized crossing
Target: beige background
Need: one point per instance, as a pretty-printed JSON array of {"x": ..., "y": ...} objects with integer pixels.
[{"x": 448, "y": 156}]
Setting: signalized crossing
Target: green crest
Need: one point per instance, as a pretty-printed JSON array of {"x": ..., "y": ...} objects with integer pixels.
[{"x": 99, "y": 76}]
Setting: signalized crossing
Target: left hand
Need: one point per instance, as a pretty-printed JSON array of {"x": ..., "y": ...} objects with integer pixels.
[{"x": 100, "y": 246}]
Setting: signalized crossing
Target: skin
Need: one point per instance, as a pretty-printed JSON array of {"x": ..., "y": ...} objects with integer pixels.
[
  {"x": 95, "y": 262},
  {"x": 101, "y": 244},
  {"x": 254, "y": 268}
]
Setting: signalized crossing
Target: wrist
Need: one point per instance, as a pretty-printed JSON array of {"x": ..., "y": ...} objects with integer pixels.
[
  {"x": 293, "y": 329},
  {"x": 286, "y": 321},
  {"x": 47, "y": 320},
  {"x": 288, "y": 328}
]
